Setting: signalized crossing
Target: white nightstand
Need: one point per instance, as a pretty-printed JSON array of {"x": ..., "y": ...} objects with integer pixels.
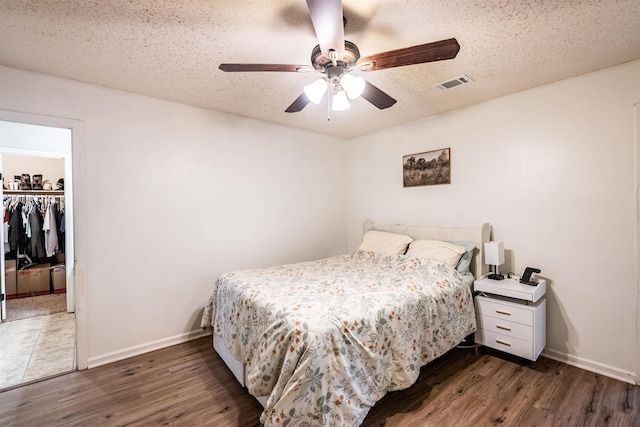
[{"x": 512, "y": 317}]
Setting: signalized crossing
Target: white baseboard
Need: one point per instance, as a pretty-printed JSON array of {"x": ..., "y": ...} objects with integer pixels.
[
  {"x": 147, "y": 347},
  {"x": 599, "y": 368},
  {"x": 589, "y": 365}
]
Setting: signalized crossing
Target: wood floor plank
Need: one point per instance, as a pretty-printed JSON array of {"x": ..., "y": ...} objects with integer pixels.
[{"x": 189, "y": 385}]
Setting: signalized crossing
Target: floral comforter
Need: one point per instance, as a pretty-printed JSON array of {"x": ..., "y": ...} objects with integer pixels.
[{"x": 326, "y": 339}]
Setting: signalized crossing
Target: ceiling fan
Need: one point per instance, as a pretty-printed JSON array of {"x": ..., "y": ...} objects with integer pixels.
[{"x": 336, "y": 58}]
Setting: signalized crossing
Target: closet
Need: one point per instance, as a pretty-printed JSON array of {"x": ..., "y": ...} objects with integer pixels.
[{"x": 34, "y": 234}]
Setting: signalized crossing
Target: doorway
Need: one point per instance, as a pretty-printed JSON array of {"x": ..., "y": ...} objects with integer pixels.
[{"x": 32, "y": 338}]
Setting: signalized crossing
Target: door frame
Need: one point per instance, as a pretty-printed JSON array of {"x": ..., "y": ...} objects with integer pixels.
[
  {"x": 637, "y": 235},
  {"x": 74, "y": 196}
]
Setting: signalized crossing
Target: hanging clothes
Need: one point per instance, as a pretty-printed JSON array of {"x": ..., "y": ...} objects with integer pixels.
[
  {"x": 35, "y": 225},
  {"x": 37, "y": 235},
  {"x": 17, "y": 235},
  {"x": 50, "y": 230},
  {"x": 25, "y": 219},
  {"x": 5, "y": 214},
  {"x": 60, "y": 221}
]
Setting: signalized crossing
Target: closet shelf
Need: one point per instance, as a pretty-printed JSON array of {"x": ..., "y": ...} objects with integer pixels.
[{"x": 35, "y": 192}]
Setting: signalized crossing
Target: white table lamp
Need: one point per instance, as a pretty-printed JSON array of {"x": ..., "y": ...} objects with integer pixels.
[{"x": 494, "y": 255}]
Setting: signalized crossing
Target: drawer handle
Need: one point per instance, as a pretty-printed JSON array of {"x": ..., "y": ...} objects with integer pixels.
[
  {"x": 503, "y": 312},
  {"x": 508, "y": 344},
  {"x": 505, "y": 328}
]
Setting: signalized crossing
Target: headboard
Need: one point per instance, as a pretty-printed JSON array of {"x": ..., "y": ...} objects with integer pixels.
[{"x": 478, "y": 235}]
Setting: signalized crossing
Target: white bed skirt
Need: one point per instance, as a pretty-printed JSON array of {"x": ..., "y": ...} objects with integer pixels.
[{"x": 235, "y": 366}]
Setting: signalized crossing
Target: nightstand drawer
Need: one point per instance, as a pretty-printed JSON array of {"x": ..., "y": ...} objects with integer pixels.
[
  {"x": 505, "y": 343},
  {"x": 504, "y": 310},
  {"x": 506, "y": 327}
]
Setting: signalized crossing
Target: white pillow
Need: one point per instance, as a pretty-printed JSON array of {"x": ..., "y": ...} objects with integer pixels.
[
  {"x": 384, "y": 242},
  {"x": 438, "y": 250}
]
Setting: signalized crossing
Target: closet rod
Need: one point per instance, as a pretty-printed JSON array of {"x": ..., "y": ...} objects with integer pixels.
[{"x": 34, "y": 192}]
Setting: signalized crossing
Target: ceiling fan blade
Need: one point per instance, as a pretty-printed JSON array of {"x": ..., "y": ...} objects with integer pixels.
[
  {"x": 377, "y": 97},
  {"x": 327, "y": 19},
  {"x": 235, "y": 68},
  {"x": 428, "y": 52},
  {"x": 298, "y": 104}
]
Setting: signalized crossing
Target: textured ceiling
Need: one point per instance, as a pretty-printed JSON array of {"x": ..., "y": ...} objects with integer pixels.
[{"x": 171, "y": 49}]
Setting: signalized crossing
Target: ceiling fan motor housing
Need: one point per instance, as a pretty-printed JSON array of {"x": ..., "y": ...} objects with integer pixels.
[{"x": 347, "y": 62}]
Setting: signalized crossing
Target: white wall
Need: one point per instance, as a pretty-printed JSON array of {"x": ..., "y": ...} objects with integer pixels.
[
  {"x": 552, "y": 169},
  {"x": 174, "y": 196}
]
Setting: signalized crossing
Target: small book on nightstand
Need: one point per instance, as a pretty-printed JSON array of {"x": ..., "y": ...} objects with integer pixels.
[{"x": 511, "y": 288}]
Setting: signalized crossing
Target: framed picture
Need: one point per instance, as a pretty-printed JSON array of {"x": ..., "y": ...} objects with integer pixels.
[{"x": 428, "y": 168}]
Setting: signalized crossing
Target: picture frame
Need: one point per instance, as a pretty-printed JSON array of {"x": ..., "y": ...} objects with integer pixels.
[{"x": 427, "y": 168}]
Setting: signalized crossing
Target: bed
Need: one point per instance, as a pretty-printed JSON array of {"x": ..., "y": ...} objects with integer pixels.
[{"x": 320, "y": 342}]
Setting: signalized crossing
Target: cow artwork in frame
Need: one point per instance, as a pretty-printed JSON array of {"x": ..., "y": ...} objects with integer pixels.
[{"x": 428, "y": 168}]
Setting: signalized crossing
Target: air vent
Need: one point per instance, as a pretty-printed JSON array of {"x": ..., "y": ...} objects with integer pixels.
[{"x": 450, "y": 84}]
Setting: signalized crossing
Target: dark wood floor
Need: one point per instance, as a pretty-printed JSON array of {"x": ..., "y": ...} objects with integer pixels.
[{"x": 188, "y": 385}]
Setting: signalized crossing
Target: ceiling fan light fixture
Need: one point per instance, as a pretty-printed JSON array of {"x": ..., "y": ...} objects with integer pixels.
[
  {"x": 315, "y": 91},
  {"x": 353, "y": 85},
  {"x": 340, "y": 101}
]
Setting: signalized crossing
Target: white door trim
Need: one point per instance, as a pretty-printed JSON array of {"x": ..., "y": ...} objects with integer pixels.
[
  {"x": 74, "y": 189},
  {"x": 637, "y": 240}
]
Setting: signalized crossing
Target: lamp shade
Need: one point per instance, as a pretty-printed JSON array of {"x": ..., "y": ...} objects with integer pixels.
[
  {"x": 494, "y": 253},
  {"x": 340, "y": 101},
  {"x": 353, "y": 85},
  {"x": 316, "y": 90}
]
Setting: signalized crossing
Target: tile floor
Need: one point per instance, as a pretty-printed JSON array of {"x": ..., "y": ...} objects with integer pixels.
[{"x": 36, "y": 348}]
